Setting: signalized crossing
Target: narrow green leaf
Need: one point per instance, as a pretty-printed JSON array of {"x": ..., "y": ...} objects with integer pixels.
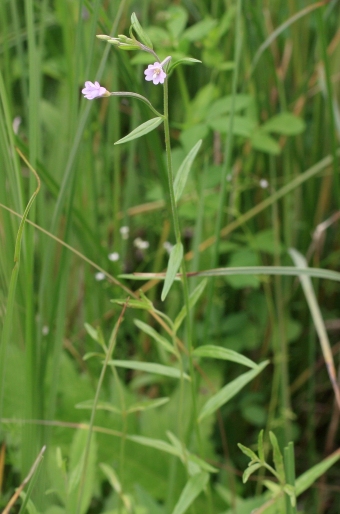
[
  {"x": 92, "y": 332},
  {"x": 249, "y": 471},
  {"x": 272, "y": 486},
  {"x": 285, "y": 123},
  {"x": 192, "y": 489},
  {"x": 247, "y": 451},
  {"x": 228, "y": 391},
  {"x": 95, "y": 334},
  {"x": 111, "y": 476},
  {"x": 194, "y": 297},
  {"x": 183, "y": 172},
  {"x": 304, "y": 481},
  {"x": 147, "y": 405},
  {"x": 255, "y": 270},
  {"x": 175, "y": 260},
  {"x": 141, "y": 130},
  {"x": 260, "y": 447},
  {"x": 144, "y": 38},
  {"x": 156, "y": 336},
  {"x": 184, "y": 60},
  {"x": 158, "y": 444},
  {"x": 149, "y": 367},
  {"x": 217, "y": 352},
  {"x": 88, "y": 404},
  {"x": 135, "y": 304},
  {"x": 186, "y": 455},
  {"x": 277, "y": 457}
]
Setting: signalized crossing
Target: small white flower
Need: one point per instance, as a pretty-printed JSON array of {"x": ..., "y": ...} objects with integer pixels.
[
  {"x": 99, "y": 276},
  {"x": 94, "y": 90},
  {"x": 124, "y": 231},
  {"x": 16, "y": 124},
  {"x": 114, "y": 256},
  {"x": 168, "y": 246},
  {"x": 264, "y": 183},
  {"x": 45, "y": 330},
  {"x": 140, "y": 244}
]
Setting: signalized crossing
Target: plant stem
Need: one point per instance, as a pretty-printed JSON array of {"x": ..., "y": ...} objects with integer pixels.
[{"x": 183, "y": 266}]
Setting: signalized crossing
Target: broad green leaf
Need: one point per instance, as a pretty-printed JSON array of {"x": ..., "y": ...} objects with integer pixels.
[
  {"x": 199, "y": 30},
  {"x": 304, "y": 481},
  {"x": 147, "y": 405},
  {"x": 156, "y": 336},
  {"x": 175, "y": 260},
  {"x": 143, "y": 129},
  {"x": 143, "y": 37},
  {"x": 192, "y": 489},
  {"x": 194, "y": 297},
  {"x": 286, "y": 124},
  {"x": 249, "y": 471},
  {"x": 247, "y": 451},
  {"x": 183, "y": 172},
  {"x": 224, "y": 105},
  {"x": 228, "y": 391},
  {"x": 183, "y": 60},
  {"x": 264, "y": 143},
  {"x": 217, "y": 352},
  {"x": 149, "y": 367},
  {"x": 242, "y": 126},
  {"x": 177, "y": 21},
  {"x": 88, "y": 404},
  {"x": 277, "y": 457}
]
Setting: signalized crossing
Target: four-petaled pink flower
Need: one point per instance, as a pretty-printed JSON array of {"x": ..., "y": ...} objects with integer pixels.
[
  {"x": 92, "y": 91},
  {"x": 155, "y": 72}
]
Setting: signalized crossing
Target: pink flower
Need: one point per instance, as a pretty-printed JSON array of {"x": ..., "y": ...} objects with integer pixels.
[
  {"x": 95, "y": 90},
  {"x": 155, "y": 72}
]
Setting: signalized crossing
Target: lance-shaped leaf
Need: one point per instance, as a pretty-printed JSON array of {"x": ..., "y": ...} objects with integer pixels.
[
  {"x": 150, "y": 367},
  {"x": 175, "y": 260},
  {"x": 183, "y": 172},
  {"x": 192, "y": 489},
  {"x": 143, "y": 129},
  {"x": 156, "y": 336},
  {"x": 228, "y": 391},
  {"x": 184, "y": 60},
  {"x": 217, "y": 352},
  {"x": 144, "y": 38}
]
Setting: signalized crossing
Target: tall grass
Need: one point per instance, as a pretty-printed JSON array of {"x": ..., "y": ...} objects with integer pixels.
[{"x": 123, "y": 436}]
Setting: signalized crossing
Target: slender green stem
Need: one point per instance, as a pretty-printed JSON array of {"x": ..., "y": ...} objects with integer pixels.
[{"x": 178, "y": 241}]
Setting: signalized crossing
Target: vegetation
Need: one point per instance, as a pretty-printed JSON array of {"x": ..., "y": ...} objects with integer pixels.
[{"x": 169, "y": 261}]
